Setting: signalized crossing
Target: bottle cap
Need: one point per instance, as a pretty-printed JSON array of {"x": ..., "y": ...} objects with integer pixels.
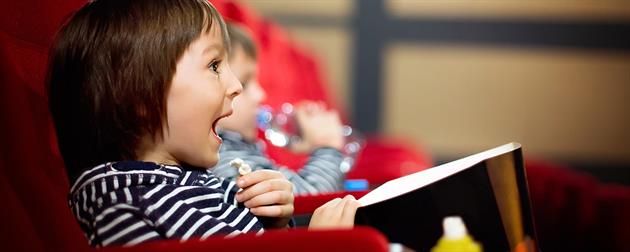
[{"x": 454, "y": 228}]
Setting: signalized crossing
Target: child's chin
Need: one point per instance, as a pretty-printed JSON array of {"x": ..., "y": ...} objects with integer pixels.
[
  {"x": 208, "y": 161},
  {"x": 212, "y": 161}
]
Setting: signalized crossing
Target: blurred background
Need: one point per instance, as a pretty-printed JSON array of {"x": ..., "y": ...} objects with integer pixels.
[{"x": 459, "y": 77}]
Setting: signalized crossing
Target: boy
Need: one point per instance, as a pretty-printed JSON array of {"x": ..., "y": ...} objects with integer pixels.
[
  {"x": 136, "y": 89},
  {"x": 321, "y": 129}
]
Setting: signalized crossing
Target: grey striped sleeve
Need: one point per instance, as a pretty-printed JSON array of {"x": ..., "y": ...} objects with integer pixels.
[{"x": 320, "y": 174}]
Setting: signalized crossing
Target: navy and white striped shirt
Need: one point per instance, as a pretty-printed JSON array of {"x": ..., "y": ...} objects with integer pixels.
[
  {"x": 321, "y": 173},
  {"x": 130, "y": 202}
]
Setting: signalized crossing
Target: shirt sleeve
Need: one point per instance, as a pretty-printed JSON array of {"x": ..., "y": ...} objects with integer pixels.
[
  {"x": 122, "y": 224},
  {"x": 174, "y": 212},
  {"x": 321, "y": 173}
]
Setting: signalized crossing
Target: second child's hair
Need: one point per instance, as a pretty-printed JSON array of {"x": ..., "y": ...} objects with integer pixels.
[
  {"x": 110, "y": 71},
  {"x": 238, "y": 37}
]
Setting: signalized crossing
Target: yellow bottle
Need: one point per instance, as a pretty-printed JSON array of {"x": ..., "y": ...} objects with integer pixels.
[{"x": 455, "y": 237}]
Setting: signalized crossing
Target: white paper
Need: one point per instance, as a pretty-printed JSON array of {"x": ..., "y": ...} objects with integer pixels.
[{"x": 402, "y": 185}]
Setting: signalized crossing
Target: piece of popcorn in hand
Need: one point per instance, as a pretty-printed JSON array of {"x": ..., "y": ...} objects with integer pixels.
[{"x": 243, "y": 168}]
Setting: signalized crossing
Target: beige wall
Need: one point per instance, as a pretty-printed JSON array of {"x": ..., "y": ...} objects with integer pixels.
[
  {"x": 565, "y": 104},
  {"x": 568, "y": 104},
  {"x": 523, "y": 9}
]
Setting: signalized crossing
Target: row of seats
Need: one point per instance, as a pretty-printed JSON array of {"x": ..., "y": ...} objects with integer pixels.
[{"x": 572, "y": 211}]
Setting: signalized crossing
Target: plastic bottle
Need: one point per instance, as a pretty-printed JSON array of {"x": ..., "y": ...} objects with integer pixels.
[
  {"x": 280, "y": 129},
  {"x": 455, "y": 237}
]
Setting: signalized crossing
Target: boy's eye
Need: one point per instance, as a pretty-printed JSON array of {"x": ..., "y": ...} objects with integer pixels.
[{"x": 214, "y": 66}]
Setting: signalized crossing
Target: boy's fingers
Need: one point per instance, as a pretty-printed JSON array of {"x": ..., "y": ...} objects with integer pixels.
[
  {"x": 273, "y": 211},
  {"x": 256, "y": 177},
  {"x": 337, "y": 211},
  {"x": 264, "y": 187},
  {"x": 300, "y": 112},
  {"x": 335, "y": 115},
  {"x": 337, "y": 206},
  {"x": 318, "y": 107},
  {"x": 332, "y": 204},
  {"x": 305, "y": 107},
  {"x": 270, "y": 198},
  {"x": 322, "y": 105},
  {"x": 349, "y": 211},
  {"x": 332, "y": 212},
  {"x": 311, "y": 107},
  {"x": 323, "y": 209}
]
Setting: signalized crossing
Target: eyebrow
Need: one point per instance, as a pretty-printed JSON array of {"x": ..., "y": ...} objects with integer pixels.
[{"x": 214, "y": 47}]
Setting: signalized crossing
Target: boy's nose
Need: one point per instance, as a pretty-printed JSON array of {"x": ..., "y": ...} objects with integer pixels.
[{"x": 234, "y": 87}]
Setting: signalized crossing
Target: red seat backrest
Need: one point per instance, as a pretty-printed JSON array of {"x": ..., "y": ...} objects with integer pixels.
[{"x": 32, "y": 175}]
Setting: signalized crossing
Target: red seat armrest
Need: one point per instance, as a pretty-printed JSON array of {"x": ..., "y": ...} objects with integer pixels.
[{"x": 357, "y": 239}]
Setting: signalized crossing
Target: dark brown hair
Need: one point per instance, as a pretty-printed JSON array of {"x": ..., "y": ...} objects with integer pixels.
[
  {"x": 238, "y": 37},
  {"x": 110, "y": 70}
]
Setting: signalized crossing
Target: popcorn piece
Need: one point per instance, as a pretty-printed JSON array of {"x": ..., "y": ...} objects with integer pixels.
[
  {"x": 237, "y": 163},
  {"x": 243, "y": 168}
]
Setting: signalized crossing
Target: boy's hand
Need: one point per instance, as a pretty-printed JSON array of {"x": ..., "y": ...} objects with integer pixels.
[
  {"x": 267, "y": 193},
  {"x": 337, "y": 213},
  {"x": 319, "y": 127}
]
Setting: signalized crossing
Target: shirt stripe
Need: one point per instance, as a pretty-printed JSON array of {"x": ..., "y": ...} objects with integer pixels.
[{"x": 156, "y": 202}]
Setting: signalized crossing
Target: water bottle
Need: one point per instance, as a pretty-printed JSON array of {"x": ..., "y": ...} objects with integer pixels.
[
  {"x": 280, "y": 129},
  {"x": 456, "y": 237}
]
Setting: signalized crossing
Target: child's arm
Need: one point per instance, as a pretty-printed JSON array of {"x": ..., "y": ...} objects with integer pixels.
[
  {"x": 321, "y": 173},
  {"x": 322, "y": 135},
  {"x": 319, "y": 127}
]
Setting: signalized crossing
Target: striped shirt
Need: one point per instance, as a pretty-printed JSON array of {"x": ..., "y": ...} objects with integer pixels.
[
  {"x": 130, "y": 202},
  {"x": 321, "y": 173}
]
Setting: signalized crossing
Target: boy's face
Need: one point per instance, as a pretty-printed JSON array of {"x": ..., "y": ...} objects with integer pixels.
[
  {"x": 246, "y": 105},
  {"x": 200, "y": 94}
]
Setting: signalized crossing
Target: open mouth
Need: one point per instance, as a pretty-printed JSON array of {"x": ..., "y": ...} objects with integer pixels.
[{"x": 214, "y": 126}]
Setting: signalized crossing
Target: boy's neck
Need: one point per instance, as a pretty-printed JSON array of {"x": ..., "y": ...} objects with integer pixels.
[{"x": 151, "y": 151}]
